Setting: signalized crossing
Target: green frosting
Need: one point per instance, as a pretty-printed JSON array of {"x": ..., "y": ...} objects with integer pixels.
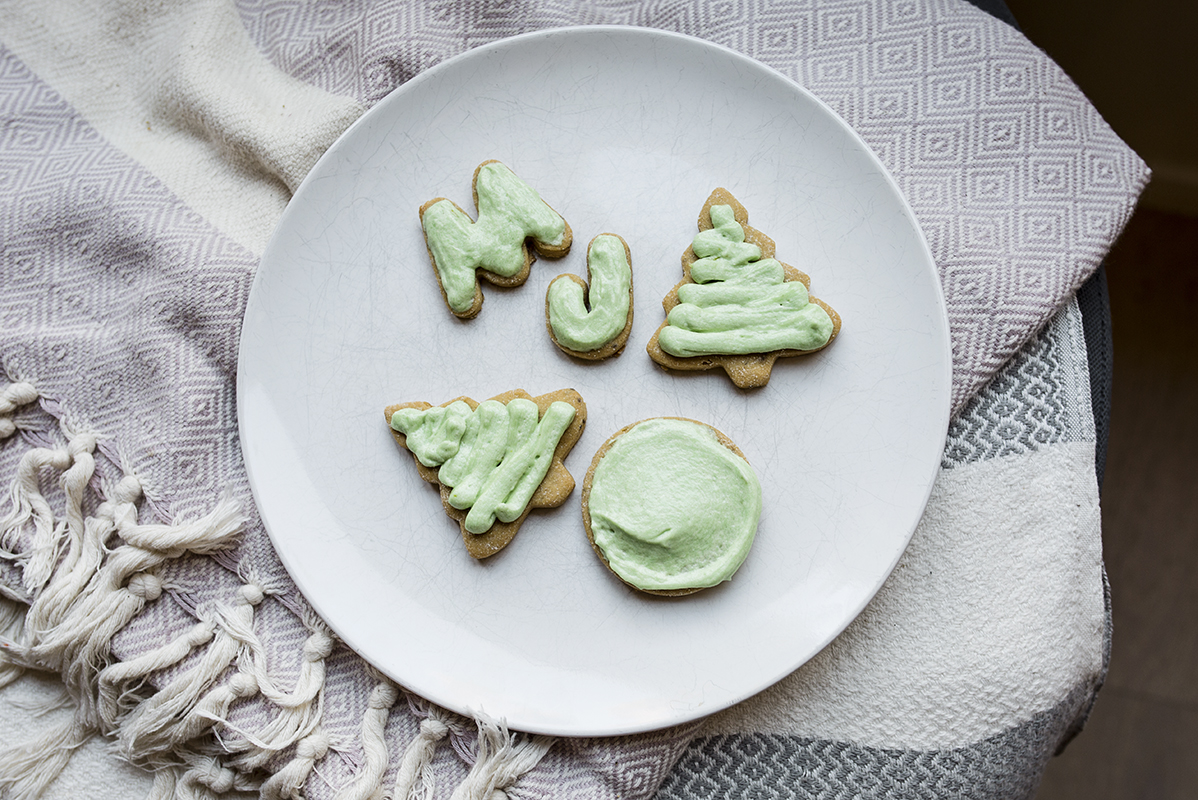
[
  {"x": 673, "y": 508},
  {"x": 611, "y": 282},
  {"x": 493, "y": 458},
  {"x": 509, "y": 211},
  {"x": 739, "y": 302}
]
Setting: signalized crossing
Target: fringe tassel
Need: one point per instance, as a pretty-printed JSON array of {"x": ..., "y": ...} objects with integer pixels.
[
  {"x": 163, "y": 787},
  {"x": 301, "y": 708},
  {"x": 81, "y": 643},
  {"x": 81, "y": 594},
  {"x": 12, "y": 619},
  {"x": 414, "y": 780},
  {"x": 210, "y": 710},
  {"x": 205, "y": 536},
  {"x": 144, "y": 735},
  {"x": 205, "y": 776},
  {"x": 288, "y": 782},
  {"x": 72, "y": 577},
  {"x": 200, "y": 783},
  {"x": 69, "y": 531},
  {"x": 70, "y": 619},
  {"x": 13, "y": 397},
  {"x": 368, "y": 783},
  {"x": 500, "y": 761},
  {"x": 29, "y": 506},
  {"x": 126, "y": 581},
  {"x": 118, "y": 681}
]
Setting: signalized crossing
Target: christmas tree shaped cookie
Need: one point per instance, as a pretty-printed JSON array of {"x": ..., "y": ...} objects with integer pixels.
[
  {"x": 494, "y": 461},
  {"x": 737, "y": 307},
  {"x": 511, "y": 215}
]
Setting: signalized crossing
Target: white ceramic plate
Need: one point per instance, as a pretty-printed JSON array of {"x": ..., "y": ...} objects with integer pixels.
[{"x": 624, "y": 130}]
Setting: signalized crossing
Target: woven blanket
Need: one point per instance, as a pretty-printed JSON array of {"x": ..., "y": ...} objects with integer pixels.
[{"x": 147, "y": 150}]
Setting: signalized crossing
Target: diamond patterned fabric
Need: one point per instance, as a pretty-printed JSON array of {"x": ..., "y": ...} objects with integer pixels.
[{"x": 141, "y": 173}]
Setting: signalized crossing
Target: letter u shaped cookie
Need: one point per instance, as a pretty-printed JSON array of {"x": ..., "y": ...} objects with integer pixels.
[{"x": 602, "y": 330}]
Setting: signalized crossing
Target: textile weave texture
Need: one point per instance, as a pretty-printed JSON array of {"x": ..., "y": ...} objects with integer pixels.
[{"x": 146, "y": 152}]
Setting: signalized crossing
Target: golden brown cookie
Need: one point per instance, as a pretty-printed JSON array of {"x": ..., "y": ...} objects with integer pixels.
[
  {"x": 613, "y": 346},
  {"x": 527, "y": 245},
  {"x": 553, "y": 490},
  {"x": 746, "y": 371},
  {"x": 676, "y": 524}
]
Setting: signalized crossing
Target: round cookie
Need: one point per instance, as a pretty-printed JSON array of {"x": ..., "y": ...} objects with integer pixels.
[{"x": 671, "y": 506}]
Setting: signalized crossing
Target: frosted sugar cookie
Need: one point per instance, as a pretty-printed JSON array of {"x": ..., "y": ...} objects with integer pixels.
[
  {"x": 738, "y": 307},
  {"x": 671, "y": 506},
  {"x": 592, "y": 319},
  {"x": 494, "y": 461},
  {"x": 511, "y": 216}
]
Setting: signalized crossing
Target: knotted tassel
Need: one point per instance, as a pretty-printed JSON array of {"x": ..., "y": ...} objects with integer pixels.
[
  {"x": 67, "y": 582},
  {"x": 144, "y": 735},
  {"x": 13, "y": 397},
  {"x": 97, "y": 530},
  {"x": 368, "y": 783},
  {"x": 119, "y": 680},
  {"x": 203, "y": 777},
  {"x": 86, "y": 644},
  {"x": 215, "y": 531},
  {"x": 500, "y": 761},
  {"x": 317, "y": 648},
  {"x": 48, "y": 536},
  {"x": 29, "y": 506},
  {"x": 414, "y": 780},
  {"x": 165, "y": 780},
  {"x": 80, "y": 645},
  {"x": 288, "y": 782},
  {"x": 107, "y": 598},
  {"x": 74, "y": 483},
  {"x": 202, "y": 781},
  {"x": 211, "y": 709},
  {"x": 12, "y": 617},
  {"x": 300, "y": 709}
]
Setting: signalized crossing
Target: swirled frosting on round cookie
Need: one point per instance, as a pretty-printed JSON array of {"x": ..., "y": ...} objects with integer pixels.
[{"x": 671, "y": 505}]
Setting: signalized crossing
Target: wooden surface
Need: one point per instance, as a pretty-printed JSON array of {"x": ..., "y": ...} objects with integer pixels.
[{"x": 1142, "y": 739}]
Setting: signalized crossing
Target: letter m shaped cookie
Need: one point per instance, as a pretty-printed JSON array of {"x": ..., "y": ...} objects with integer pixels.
[{"x": 511, "y": 215}]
